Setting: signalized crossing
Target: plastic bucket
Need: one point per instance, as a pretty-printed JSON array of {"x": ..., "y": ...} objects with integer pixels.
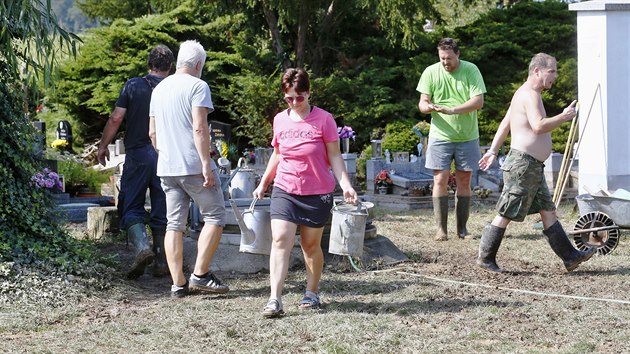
[{"x": 347, "y": 229}]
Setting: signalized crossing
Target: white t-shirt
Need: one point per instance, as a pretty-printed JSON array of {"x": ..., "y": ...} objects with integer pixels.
[{"x": 172, "y": 102}]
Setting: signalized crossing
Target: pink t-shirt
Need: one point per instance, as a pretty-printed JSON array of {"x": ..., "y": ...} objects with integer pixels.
[{"x": 304, "y": 168}]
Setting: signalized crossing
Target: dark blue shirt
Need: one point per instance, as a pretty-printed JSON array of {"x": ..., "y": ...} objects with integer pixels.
[{"x": 135, "y": 96}]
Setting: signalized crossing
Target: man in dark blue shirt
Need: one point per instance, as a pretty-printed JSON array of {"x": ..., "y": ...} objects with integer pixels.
[{"x": 139, "y": 172}]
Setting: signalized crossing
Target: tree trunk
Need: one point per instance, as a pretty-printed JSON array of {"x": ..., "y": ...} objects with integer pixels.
[
  {"x": 324, "y": 33},
  {"x": 300, "y": 47},
  {"x": 272, "y": 22}
]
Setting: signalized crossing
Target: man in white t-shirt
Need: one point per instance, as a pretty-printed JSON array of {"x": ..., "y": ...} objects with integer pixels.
[{"x": 179, "y": 130}]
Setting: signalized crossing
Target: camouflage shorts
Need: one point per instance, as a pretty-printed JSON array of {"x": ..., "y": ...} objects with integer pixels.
[{"x": 524, "y": 188}]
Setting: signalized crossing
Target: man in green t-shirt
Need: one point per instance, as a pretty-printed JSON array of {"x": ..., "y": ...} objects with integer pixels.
[{"x": 452, "y": 92}]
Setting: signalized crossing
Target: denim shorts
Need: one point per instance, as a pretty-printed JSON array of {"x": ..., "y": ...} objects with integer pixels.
[
  {"x": 307, "y": 210},
  {"x": 440, "y": 153},
  {"x": 524, "y": 187},
  {"x": 181, "y": 189}
]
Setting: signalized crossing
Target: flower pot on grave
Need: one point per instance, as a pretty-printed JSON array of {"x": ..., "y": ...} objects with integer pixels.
[
  {"x": 345, "y": 145},
  {"x": 73, "y": 189},
  {"x": 87, "y": 192},
  {"x": 383, "y": 189}
]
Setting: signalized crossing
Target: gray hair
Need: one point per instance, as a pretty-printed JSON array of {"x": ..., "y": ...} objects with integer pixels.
[
  {"x": 190, "y": 53},
  {"x": 541, "y": 61}
]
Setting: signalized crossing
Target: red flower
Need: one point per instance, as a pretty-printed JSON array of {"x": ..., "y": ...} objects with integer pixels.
[{"x": 382, "y": 178}]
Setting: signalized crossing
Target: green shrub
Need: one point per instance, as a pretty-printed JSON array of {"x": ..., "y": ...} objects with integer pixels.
[
  {"x": 52, "y": 117},
  {"x": 31, "y": 237},
  {"x": 77, "y": 174},
  {"x": 399, "y": 136},
  {"x": 365, "y": 155}
]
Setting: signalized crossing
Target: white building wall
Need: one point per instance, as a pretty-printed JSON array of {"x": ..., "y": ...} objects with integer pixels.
[{"x": 604, "y": 94}]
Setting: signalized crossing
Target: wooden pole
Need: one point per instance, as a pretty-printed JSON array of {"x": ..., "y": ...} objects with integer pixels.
[
  {"x": 563, "y": 174},
  {"x": 579, "y": 142}
]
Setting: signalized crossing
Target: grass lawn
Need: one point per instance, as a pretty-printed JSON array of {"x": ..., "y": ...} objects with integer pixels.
[{"x": 439, "y": 302}]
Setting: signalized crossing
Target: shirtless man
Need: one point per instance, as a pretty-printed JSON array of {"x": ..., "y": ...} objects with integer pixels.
[{"x": 525, "y": 191}]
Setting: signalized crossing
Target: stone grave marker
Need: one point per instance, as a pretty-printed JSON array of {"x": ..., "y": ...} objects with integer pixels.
[
  {"x": 64, "y": 132},
  {"x": 220, "y": 131}
]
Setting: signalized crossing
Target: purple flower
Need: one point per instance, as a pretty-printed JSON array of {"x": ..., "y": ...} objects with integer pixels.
[
  {"x": 249, "y": 156},
  {"x": 47, "y": 179},
  {"x": 346, "y": 132}
]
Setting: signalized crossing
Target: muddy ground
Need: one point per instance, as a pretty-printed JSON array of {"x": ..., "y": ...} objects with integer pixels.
[{"x": 437, "y": 302}]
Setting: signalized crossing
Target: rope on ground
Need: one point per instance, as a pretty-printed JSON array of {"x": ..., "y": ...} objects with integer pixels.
[{"x": 516, "y": 290}]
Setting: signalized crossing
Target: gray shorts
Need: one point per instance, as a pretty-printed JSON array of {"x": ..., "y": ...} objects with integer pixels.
[
  {"x": 180, "y": 189},
  {"x": 440, "y": 153}
]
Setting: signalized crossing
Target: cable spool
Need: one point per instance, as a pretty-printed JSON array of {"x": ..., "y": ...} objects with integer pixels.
[{"x": 600, "y": 231}]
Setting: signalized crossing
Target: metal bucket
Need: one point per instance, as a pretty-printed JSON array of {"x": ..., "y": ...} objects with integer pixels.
[
  {"x": 243, "y": 183},
  {"x": 347, "y": 229},
  {"x": 255, "y": 228}
]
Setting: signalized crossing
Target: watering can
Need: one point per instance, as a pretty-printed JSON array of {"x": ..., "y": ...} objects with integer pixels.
[
  {"x": 243, "y": 182},
  {"x": 255, "y": 228},
  {"x": 347, "y": 230}
]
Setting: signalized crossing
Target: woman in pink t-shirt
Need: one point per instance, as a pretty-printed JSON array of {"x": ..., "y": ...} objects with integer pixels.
[{"x": 306, "y": 148}]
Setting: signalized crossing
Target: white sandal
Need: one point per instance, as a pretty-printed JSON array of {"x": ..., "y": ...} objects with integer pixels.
[{"x": 272, "y": 309}]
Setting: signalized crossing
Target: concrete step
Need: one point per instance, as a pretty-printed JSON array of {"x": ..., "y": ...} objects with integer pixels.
[
  {"x": 74, "y": 212},
  {"x": 75, "y": 209}
]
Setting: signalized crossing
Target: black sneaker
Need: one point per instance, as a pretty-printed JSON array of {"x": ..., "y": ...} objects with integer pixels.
[
  {"x": 179, "y": 291},
  {"x": 209, "y": 283}
]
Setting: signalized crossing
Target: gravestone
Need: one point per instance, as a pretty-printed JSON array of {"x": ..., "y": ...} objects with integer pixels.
[
  {"x": 64, "y": 132},
  {"x": 262, "y": 157},
  {"x": 40, "y": 146},
  {"x": 220, "y": 131},
  {"x": 350, "y": 160},
  {"x": 552, "y": 169}
]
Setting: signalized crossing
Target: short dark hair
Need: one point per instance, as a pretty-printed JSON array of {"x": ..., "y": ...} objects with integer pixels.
[
  {"x": 296, "y": 78},
  {"x": 161, "y": 58},
  {"x": 448, "y": 44}
]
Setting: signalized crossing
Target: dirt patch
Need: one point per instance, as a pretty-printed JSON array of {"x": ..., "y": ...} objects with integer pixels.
[{"x": 438, "y": 302}]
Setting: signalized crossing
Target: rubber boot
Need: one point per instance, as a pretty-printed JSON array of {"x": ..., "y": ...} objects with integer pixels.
[
  {"x": 462, "y": 211},
  {"x": 440, "y": 210},
  {"x": 137, "y": 234},
  {"x": 160, "y": 265},
  {"x": 562, "y": 246},
  {"x": 491, "y": 238}
]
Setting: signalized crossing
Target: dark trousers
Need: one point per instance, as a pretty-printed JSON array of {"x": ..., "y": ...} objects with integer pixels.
[{"x": 139, "y": 173}]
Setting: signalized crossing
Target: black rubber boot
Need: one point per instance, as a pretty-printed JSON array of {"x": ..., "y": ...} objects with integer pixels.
[
  {"x": 137, "y": 234},
  {"x": 491, "y": 238},
  {"x": 160, "y": 265},
  {"x": 562, "y": 246},
  {"x": 462, "y": 211},
  {"x": 440, "y": 210}
]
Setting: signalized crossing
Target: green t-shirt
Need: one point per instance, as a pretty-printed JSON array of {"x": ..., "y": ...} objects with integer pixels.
[{"x": 450, "y": 90}]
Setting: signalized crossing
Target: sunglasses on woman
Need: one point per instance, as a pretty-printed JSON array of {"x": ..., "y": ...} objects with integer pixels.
[{"x": 294, "y": 99}]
